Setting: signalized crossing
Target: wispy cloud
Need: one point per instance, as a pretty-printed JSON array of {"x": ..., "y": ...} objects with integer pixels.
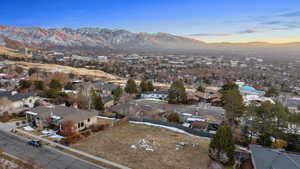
[
  {"x": 210, "y": 34},
  {"x": 249, "y": 31},
  {"x": 272, "y": 22},
  {"x": 290, "y": 14}
]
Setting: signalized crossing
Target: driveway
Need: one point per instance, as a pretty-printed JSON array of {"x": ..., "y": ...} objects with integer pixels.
[
  {"x": 7, "y": 126},
  {"x": 45, "y": 157}
]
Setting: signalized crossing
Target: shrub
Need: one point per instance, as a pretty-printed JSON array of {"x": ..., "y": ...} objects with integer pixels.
[
  {"x": 279, "y": 144},
  {"x": 86, "y": 133},
  {"x": 101, "y": 127},
  {"x": 5, "y": 117},
  {"x": 173, "y": 117}
]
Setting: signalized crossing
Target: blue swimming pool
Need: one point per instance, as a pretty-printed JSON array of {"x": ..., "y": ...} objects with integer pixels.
[{"x": 249, "y": 89}]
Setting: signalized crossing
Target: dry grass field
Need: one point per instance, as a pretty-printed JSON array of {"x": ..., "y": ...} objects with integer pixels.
[
  {"x": 96, "y": 74},
  {"x": 64, "y": 69},
  {"x": 9, "y": 52},
  {"x": 145, "y": 147}
]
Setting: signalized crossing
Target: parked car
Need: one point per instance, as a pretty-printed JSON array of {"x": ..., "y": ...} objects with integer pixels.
[{"x": 35, "y": 143}]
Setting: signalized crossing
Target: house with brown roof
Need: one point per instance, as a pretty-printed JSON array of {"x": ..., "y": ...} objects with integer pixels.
[{"x": 45, "y": 116}]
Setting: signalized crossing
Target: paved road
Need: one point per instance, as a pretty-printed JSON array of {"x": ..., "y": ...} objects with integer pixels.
[
  {"x": 46, "y": 157},
  {"x": 7, "y": 126}
]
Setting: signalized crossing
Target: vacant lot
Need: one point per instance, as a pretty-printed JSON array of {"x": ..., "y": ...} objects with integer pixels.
[{"x": 144, "y": 147}]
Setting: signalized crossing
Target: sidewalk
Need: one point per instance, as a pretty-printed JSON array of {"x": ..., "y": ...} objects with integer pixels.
[{"x": 74, "y": 150}]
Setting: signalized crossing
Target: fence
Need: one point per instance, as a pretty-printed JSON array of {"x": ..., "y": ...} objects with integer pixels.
[{"x": 178, "y": 126}]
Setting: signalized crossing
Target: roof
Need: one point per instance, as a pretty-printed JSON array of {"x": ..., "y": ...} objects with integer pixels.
[
  {"x": 199, "y": 124},
  {"x": 293, "y": 102},
  {"x": 66, "y": 113},
  {"x": 21, "y": 96},
  {"x": 107, "y": 99},
  {"x": 105, "y": 86},
  {"x": 15, "y": 97},
  {"x": 5, "y": 94},
  {"x": 268, "y": 158},
  {"x": 156, "y": 92}
]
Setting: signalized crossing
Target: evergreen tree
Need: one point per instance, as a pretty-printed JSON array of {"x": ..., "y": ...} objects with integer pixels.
[
  {"x": 117, "y": 93},
  {"x": 96, "y": 101},
  {"x": 131, "y": 86},
  {"x": 55, "y": 84},
  {"x": 25, "y": 84},
  {"x": 222, "y": 147},
  {"x": 233, "y": 104},
  {"x": 229, "y": 86},
  {"x": 177, "y": 93},
  {"x": 69, "y": 86},
  {"x": 150, "y": 86},
  {"x": 144, "y": 86},
  {"x": 272, "y": 92},
  {"x": 200, "y": 89},
  {"x": 39, "y": 85},
  {"x": 32, "y": 71}
]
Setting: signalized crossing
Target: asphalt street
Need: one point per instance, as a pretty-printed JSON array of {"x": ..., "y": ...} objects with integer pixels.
[{"x": 45, "y": 157}]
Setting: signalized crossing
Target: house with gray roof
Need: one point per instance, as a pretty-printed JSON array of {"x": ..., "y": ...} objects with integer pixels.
[
  {"x": 108, "y": 101},
  {"x": 268, "y": 158},
  {"x": 13, "y": 101},
  {"x": 44, "y": 116}
]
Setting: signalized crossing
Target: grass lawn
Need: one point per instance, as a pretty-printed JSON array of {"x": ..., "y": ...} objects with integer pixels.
[{"x": 124, "y": 144}]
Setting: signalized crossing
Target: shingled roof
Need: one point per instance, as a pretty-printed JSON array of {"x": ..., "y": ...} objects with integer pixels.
[
  {"x": 268, "y": 158},
  {"x": 66, "y": 113},
  {"x": 15, "y": 97}
]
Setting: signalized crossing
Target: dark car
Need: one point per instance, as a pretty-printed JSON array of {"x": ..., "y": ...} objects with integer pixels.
[{"x": 35, "y": 143}]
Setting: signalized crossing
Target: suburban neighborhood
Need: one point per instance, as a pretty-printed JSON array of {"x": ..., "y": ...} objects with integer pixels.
[{"x": 157, "y": 84}]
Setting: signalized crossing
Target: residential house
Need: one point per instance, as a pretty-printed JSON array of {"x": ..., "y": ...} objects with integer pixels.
[
  {"x": 104, "y": 89},
  {"x": 293, "y": 104},
  {"x": 44, "y": 116},
  {"x": 13, "y": 102},
  {"x": 268, "y": 158}
]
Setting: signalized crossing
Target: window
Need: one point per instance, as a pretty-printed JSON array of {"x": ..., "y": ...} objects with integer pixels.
[
  {"x": 89, "y": 120},
  {"x": 82, "y": 124},
  {"x": 78, "y": 125}
]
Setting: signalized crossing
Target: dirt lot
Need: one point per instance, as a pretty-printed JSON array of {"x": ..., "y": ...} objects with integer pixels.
[{"x": 144, "y": 147}]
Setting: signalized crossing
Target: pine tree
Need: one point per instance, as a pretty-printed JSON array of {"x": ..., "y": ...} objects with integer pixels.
[
  {"x": 144, "y": 86},
  {"x": 177, "y": 93},
  {"x": 200, "y": 89},
  {"x": 150, "y": 86},
  {"x": 272, "y": 92},
  {"x": 233, "y": 104},
  {"x": 117, "y": 93},
  {"x": 96, "y": 101},
  {"x": 55, "y": 84},
  {"x": 39, "y": 85},
  {"x": 222, "y": 147},
  {"x": 131, "y": 86},
  {"x": 229, "y": 86}
]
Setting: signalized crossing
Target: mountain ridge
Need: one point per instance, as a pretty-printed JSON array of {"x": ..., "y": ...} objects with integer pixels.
[{"x": 113, "y": 39}]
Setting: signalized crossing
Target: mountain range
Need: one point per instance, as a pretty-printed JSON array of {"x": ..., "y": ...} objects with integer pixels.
[
  {"x": 91, "y": 37},
  {"x": 118, "y": 39}
]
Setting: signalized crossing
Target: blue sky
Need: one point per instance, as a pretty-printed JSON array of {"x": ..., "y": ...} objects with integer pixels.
[{"x": 209, "y": 20}]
